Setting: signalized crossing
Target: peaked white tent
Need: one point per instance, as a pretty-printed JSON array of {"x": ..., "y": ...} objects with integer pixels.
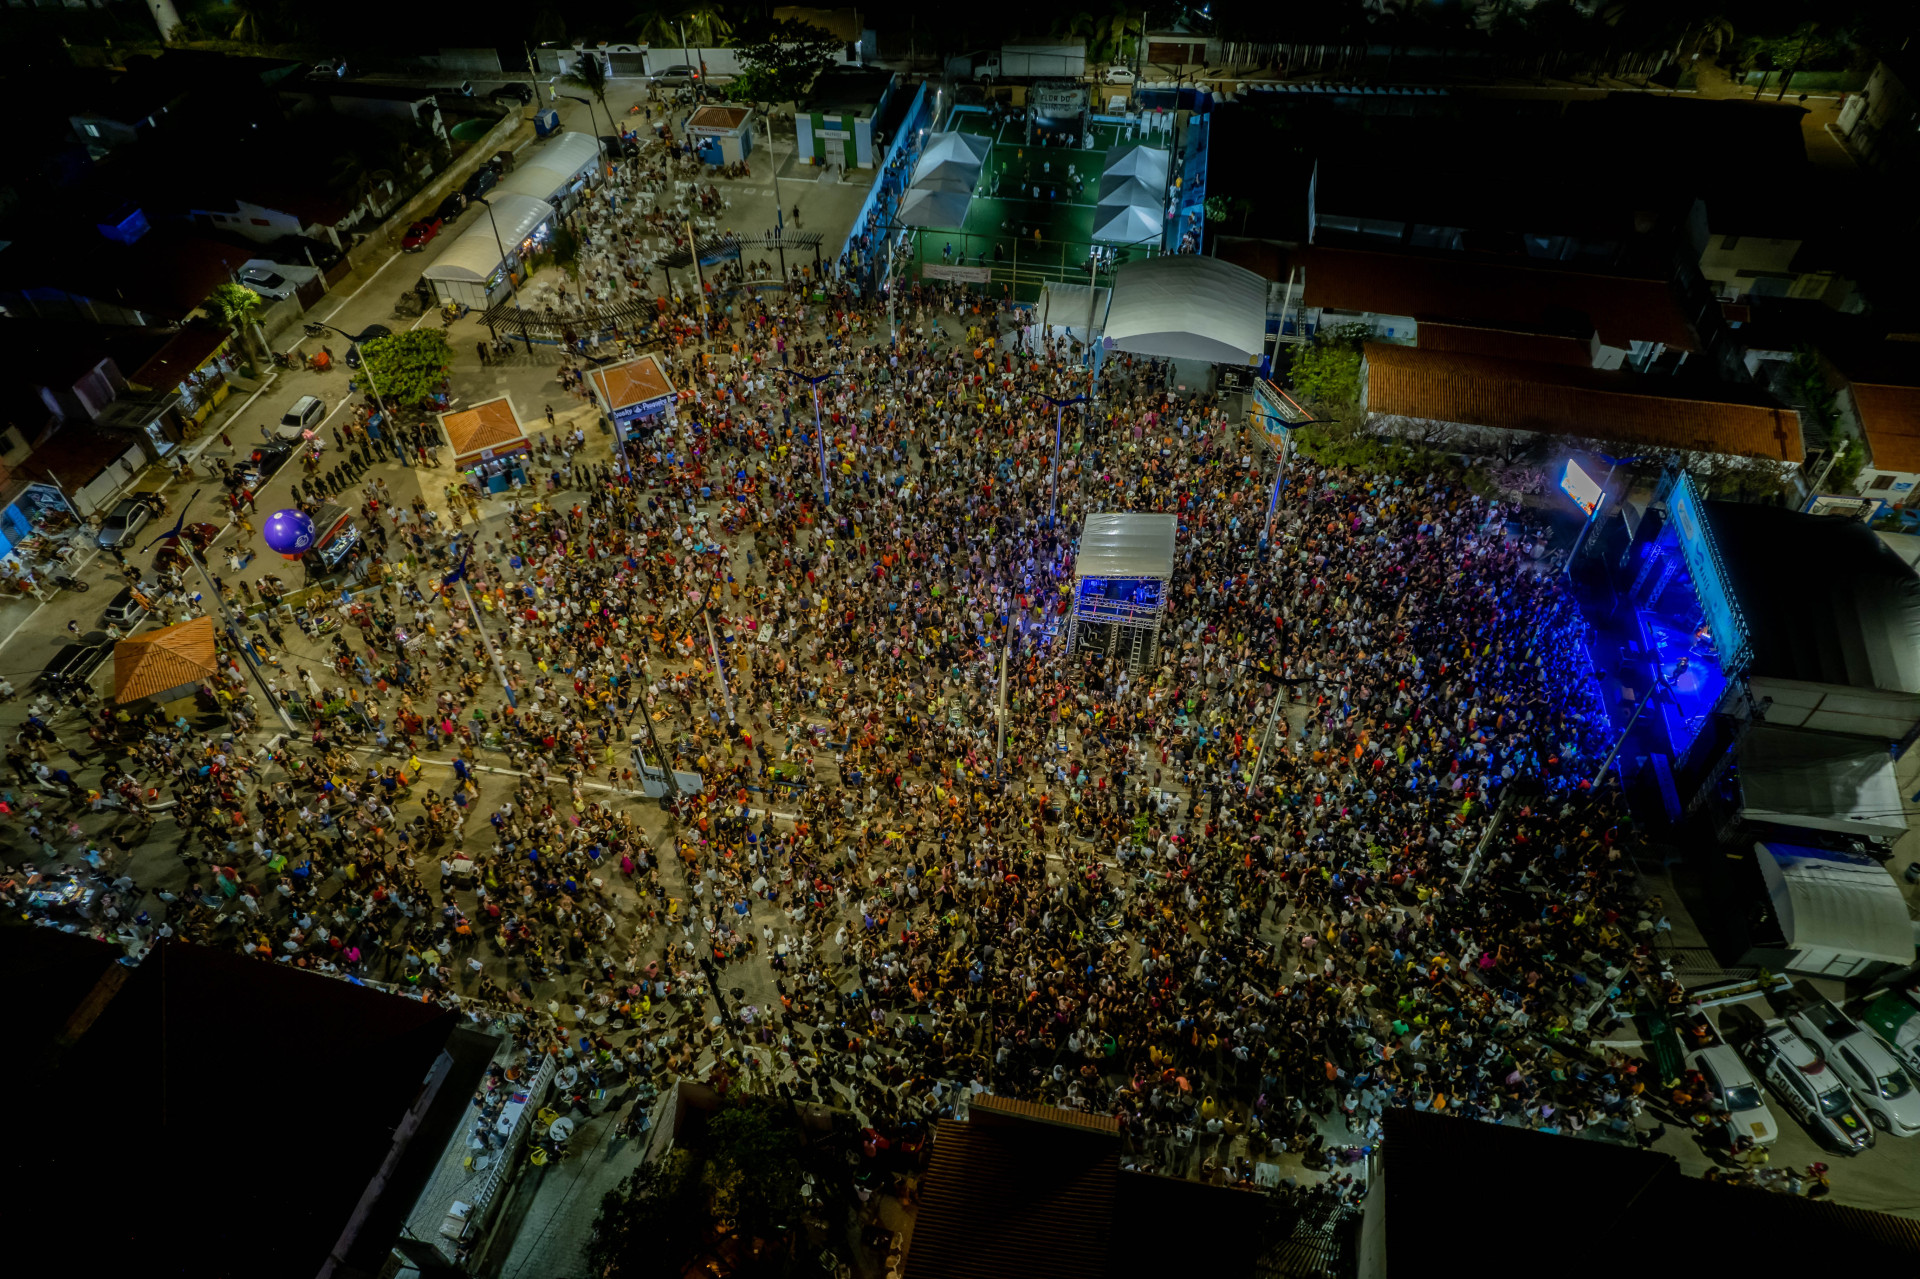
[
  {"x": 1137, "y": 160},
  {"x": 951, "y": 157},
  {"x": 1125, "y": 224},
  {"x": 943, "y": 210},
  {"x": 1184, "y": 307},
  {"x": 1129, "y": 191}
]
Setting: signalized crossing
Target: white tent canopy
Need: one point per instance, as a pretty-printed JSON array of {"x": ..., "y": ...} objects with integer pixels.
[
  {"x": 1137, "y": 160},
  {"x": 963, "y": 150},
  {"x": 1128, "y": 191},
  {"x": 1185, "y": 307},
  {"x": 1819, "y": 781},
  {"x": 1125, "y": 224},
  {"x": 1064, "y": 306},
  {"x": 1840, "y": 913},
  {"x": 462, "y": 272},
  {"x": 1127, "y": 544},
  {"x": 942, "y": 210}
]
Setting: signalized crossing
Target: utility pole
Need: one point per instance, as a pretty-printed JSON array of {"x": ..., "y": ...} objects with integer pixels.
[
  {"x": 1000, "y": 747},
  {"x": 700, "y": 281}
]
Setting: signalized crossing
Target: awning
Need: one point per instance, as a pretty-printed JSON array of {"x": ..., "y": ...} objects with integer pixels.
[
  {"x": 475, "y": 256},
  {"x": 1127, "y": 545},
  {"x": 1820, "y": 781},
  {"x": 1065, "y": 306},
  {"x": 1184, "y": 307},
  {"x": 569, "y": 153},
  {"x": 163, "y": 664},
  {"x": 942, "y": 210},
  {"x": 1839, "y": 911}
]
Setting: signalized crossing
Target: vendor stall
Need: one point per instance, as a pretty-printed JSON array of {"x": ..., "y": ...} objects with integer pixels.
[
  {"x": 337, "y": 545},
  {"x": 472, "y": 270},
  {"x": 163, "y": 665},
  {"x": 636, "y": 394},
  {"x": 489, "y": 445},
  {"x": 721, "y": 134},
  {"x": 557, "y": 172}
]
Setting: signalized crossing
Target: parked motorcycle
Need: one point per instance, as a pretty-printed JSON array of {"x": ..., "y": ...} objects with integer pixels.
[
  {"x": 318, "y": 331},
  {"x": 65, "y": 579}
]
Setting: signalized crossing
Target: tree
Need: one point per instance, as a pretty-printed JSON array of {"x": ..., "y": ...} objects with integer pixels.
[
  {"x": 1327, "y": 373},
  {"x": 407, "y": 368},
  {"x": 653, "y": 1224},
  {"x": 787, "y": 54},
  {"x": 239, "y": 308},
  {"x": 753, "y": 1168},
  {"x": 590, "y": 73}
]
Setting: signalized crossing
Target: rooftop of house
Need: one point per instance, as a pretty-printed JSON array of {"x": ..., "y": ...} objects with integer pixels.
[
  {"x": 215, "y": 1045},
  {"x": 1495, "y": 293},
  {"x": 1554, "y": 399}
]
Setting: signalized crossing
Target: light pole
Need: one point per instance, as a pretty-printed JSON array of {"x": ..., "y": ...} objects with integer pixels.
[
  {"x": 819, "y": 435},
  {"x": 1053, "y": 480},
  {"x": 175, "y": 534},
  {"x": 606, "y": 158},
  {"x": 1280, "y": 463},
  {"x": 360, "y": 340},
  {"x": 513, "y": 287},
  {"x": 459, "y": 574}
]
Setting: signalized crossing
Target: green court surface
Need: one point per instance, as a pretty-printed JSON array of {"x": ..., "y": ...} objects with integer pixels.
[{"x": 1037, "y": 239}]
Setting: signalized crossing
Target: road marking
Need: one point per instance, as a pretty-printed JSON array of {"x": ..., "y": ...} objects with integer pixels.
[{"x": 391, "y": 259}]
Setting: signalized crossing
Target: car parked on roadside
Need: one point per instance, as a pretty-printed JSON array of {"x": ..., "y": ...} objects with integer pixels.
[
  {"x": 74, "y": 663},
  {"x": 480, "y": 181},
  {"x": 679, "y": 76},
  {"x": 1733, "y": 1091},
  {"x": 123, "y": 610},
  {"x": 123, "y": 521},
  {"x": 1812, "y": 1091},
  {"x": 303, "y": 415},
  {"x": 521, "y": 93},
  {"x": 1118, "y": 75},
  {"x": 450, "y": 208},
  {"x": 420, "y": 233},
  {"x": 270, "y": 285},
  {"x": 1867, "y": 1067},
  {"x": 619, "y": 147},
  {"x": 462, "y": 90}
]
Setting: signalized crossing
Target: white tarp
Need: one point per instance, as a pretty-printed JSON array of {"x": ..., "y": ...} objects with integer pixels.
[
  {"x": 1126, "y": 224},
  {"x": 1185, "y": 307},
  {"x": 1819, "y": 781},
  {"x": 1127, "y": 545},
  {"x": 1839, "y": 911},
  {"x": 476, "y": 254},
  {"x": 942, "y": 210}
]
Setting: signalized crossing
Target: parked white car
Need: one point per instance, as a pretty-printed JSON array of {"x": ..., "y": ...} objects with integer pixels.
[
  {"x": 1869, "y": 1069},
  {"x": 1118, "y": 75},
  {"x": 1734, "y": 1091},
  {"x": 303, "y": 415}
]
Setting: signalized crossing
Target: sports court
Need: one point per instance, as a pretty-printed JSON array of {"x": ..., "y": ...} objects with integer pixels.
[{"x": 1032, "y": 215}]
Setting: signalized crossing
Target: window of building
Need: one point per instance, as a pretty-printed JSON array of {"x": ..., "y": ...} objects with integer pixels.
[{"x": 1881, "y": 482}]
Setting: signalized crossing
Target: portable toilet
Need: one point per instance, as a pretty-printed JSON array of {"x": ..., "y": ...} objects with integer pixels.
[{"x": 546, "y": 122}]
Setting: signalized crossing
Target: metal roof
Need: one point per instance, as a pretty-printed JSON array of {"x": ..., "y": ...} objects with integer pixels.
[
  {"x": 1184, "y": 307},
  {"x": 1127, "y": 544}
]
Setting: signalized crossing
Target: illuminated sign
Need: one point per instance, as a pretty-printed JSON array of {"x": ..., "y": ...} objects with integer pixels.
[
  {"x": 1581, "y": 487},
  {"x": 1710, "y": 583}
]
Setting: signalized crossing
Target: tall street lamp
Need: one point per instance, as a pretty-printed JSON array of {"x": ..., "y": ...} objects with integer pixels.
[
  {"x": 593, "y": 121},
  {"x": 512, "y": 286},
  {"x": 819, "y": 435},
  {"x": 1280, "y": 463},
  {"x": 360, "y": 340},
  {"x": 1053, "y": 480}
]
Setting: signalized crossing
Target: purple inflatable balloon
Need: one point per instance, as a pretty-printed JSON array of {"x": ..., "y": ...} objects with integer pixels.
[{"x": 289, "y": 532}]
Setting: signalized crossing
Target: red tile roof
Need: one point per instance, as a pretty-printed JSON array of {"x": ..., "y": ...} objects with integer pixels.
[
  {"x": 1509, "y": 344},
  {"x": 1627, "y": 408},
  {"x": 1621, "y": 309},
  {"x": 1890, "y": 418},
  {"x": 484, "y": 426},
  {"x": 633, "y": 382}
]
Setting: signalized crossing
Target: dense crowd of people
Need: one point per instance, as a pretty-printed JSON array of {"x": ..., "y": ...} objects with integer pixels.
[{"x": 869, "y": 901}]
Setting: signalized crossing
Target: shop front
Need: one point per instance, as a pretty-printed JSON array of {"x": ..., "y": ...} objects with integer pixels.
[
  {"x": 34, "y": 527},
  {"x": 191, "y": 370},
  {"x": 490, "y": 447},
  {"x": 165, "y": 418},
  {"x": 474, "y": 271}
]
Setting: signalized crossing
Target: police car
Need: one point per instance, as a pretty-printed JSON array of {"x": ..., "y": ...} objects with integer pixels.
[
  {"x": 1866, "y": 1065},
  {"x": 1812, "y": 1090},
  {"x": 1731, "y": 1091}
]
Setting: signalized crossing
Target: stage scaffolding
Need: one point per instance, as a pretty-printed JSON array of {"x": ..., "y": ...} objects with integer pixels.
[{"x": 1121, "y": 578}]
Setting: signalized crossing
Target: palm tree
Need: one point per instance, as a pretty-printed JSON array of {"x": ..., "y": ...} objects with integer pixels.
[
  {"x": 668, "y": 25},
  {"x": 239, "y": 308},
  {"x": 590, "y": 73}
]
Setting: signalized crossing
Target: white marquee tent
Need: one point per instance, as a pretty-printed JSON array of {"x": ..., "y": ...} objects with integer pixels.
[
  {"x": 942, "y": 210},
  {"x": 1185, "y": 307},
  {"x": 550, "y": 173}
]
